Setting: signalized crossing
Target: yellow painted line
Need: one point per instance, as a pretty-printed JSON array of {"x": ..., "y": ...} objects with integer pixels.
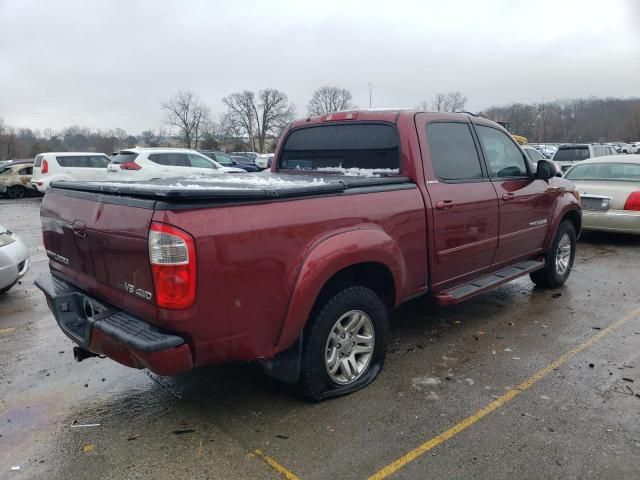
[
  {"x": 497, "y": 403},
  {"x": 7, "y": 331},
  {"x": 275, "y": 465}
]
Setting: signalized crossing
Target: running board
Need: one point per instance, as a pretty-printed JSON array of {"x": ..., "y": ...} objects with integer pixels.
[{"x": 491, "y": 280}]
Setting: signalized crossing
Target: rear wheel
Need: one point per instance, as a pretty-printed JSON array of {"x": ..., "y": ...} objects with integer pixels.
[
  {"x": 16, "y": 191},
  {"x": 559, "y": 258},
  {"x": 344, "y": 345}
]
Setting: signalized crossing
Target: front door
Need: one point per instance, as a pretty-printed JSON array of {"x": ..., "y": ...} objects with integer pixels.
[
  {"x": 464, "y": 206},
  {"x": 525, "y": 202}
]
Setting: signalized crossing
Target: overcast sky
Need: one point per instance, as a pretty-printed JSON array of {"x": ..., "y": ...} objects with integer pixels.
[{"x": 107, "y": 64}]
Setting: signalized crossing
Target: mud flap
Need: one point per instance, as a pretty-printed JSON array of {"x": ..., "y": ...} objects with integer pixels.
[{"x": 285, "y": 366}]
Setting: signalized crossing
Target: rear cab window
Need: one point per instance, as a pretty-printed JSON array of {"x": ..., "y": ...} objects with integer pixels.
[
  {"x": 343, "y": 148},
  {"x": 38, "y": 161}
]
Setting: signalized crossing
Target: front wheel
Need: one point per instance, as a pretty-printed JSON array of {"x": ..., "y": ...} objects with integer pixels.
[
  {"x": 16, "y": 191},
  {"x": 559, "y": 258},
  {"x": 344, "y": 345}
]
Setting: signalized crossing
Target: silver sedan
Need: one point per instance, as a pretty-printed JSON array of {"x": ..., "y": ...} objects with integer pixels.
[
  {"x": 14, "y": 259},
  {"x": 610, "y": 192}
]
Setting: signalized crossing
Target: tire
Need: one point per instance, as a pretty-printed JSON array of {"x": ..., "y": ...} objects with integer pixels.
[
  {"x": 16, "y": 191},
  {"x": 558, "y": 261},
  {"x": 6, "y": 289},
  {"x": 320, "y": 344}
]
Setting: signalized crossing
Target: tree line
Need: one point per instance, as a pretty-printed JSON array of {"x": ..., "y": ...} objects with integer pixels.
[
  {"x": 572, "y": 120},
  {"x": 255, "y": 120}
]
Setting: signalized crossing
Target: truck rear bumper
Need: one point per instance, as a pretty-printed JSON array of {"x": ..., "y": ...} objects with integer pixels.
[{"x": 103, "y": 329}]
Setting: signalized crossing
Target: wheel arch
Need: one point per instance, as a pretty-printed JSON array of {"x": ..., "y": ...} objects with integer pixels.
[{"x": 366, "y": 257}]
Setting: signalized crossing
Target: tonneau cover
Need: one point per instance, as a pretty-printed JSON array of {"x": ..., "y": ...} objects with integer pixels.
[{"x": 239, "y": 186}]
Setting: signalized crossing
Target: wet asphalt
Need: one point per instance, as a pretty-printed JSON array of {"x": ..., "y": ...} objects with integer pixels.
[{"x": 581, "y": 420}]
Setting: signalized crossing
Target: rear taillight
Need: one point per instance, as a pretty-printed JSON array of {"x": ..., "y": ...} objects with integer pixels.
[
  {"x": 633, "y": 201},
  {"x": 44, "y": 168},
  {"x": 173, "y": 263},
  {"x": 130, "y": 166}
]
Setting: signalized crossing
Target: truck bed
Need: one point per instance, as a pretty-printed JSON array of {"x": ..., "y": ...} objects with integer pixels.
[{"x": 235, "y": 186}]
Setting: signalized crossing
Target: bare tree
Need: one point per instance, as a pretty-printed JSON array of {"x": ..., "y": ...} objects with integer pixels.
[
  {"x": 259, "y": 116},
  {"x": 188, "y": 114},
  {"x": 242, "y": 113},
  {"x": 329, "y": 99},
  {"x": 447, "y": 102}
]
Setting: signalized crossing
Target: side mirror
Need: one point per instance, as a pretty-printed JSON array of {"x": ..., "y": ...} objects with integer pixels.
[{"x": 546, "y": 169}]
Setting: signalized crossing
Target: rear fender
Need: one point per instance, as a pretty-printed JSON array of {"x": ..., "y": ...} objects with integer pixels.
[{"x": 330, "y": 257}]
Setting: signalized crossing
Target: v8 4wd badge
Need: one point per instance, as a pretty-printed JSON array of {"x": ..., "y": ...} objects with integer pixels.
[{"x": 135, "y": 291}]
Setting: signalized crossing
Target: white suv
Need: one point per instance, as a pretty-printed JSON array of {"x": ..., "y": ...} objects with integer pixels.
[
  {"x": 71, "y": 166},
  {"x": 148, "y": 163}
]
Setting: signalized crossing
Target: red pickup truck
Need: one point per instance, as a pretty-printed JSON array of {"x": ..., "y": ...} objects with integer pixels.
[{"x": 298, "y": 268}]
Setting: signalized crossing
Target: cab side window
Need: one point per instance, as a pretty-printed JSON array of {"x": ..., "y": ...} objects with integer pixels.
[
  {"x": 504, "y": 159},
  {"x": 453, "y": 152}
]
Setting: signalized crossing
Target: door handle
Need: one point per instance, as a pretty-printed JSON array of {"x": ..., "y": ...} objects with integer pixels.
[
  {"x": 445, "y": 204},
  {"x": 79, "y": 228},
  {"x": 508, "y": 196}
]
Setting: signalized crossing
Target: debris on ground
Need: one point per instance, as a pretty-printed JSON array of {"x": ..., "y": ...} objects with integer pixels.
[
  {"x": 627, "y": 379},
  {"x": 15, "y": 468},
  {"x": 425, "y": 381},
  {"x": 591, "y": 365},
  {"x": 183, "y": 432},
  {"x": 75, "y": 424},
  {"x": 88, "y": 448},
  {"x": 556, "y": 295},
  {"x": 283, "y": 437}
]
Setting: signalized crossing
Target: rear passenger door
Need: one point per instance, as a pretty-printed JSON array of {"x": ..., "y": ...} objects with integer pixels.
[
  {"x": 525, "y": 203},
  {"x": 464, "y": 206}
]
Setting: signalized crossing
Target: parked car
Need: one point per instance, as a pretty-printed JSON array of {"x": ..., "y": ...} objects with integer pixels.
[
  {"x": 234, "y": 162},
  {"x": 68, "y": 166},
  {"x": 14, "y": 259},
  {"x": 546, "y": 149},
  {"x": 250, "y": 155},
  {"x": 148, "y": 163},
  {"x": 15, "y": 179},
  {"x": 175, "y": 282},
  {"x": 534, "y": 154},
  {"x": 610, "y": 192},
  {"x": 263, "y": 160},
  {"x": 568, "y": 155},
  {"x": 634, "y": 147}
]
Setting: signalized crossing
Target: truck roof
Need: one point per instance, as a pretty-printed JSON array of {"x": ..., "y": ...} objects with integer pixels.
[{"x": 376, "y": 114}]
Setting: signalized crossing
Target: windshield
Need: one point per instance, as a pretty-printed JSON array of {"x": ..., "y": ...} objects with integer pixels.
[
  {"x": 339, "y": 148},
  {"x": 619, "y": 172},
  {"x": 572, "y": 154},
  {"x": 223, "y": 159}
]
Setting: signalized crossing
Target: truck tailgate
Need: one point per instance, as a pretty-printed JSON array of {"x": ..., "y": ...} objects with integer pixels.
[{"x": 101, "y": 247}]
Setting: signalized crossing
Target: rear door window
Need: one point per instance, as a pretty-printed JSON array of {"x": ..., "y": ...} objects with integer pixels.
[
  {"x": 453, "y": 152},
  {"x": 26, "y": 171},
  {"x": 335, "y": 148},
  {"x": 504, "y": 158},
  {"x": 170, "y": 159}
]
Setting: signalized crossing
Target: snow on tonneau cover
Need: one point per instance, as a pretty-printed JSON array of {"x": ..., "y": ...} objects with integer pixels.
[{"x": 96, "y": 233}]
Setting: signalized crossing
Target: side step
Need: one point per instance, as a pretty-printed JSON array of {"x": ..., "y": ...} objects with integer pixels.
[{"x": 491, "y": 280}]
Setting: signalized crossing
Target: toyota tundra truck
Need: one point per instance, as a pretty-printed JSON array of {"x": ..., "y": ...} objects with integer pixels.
[{"x": 299, "y": 268}]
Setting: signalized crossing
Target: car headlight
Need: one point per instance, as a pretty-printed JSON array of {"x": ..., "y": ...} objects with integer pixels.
[{"x": 6, "y": 238}]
